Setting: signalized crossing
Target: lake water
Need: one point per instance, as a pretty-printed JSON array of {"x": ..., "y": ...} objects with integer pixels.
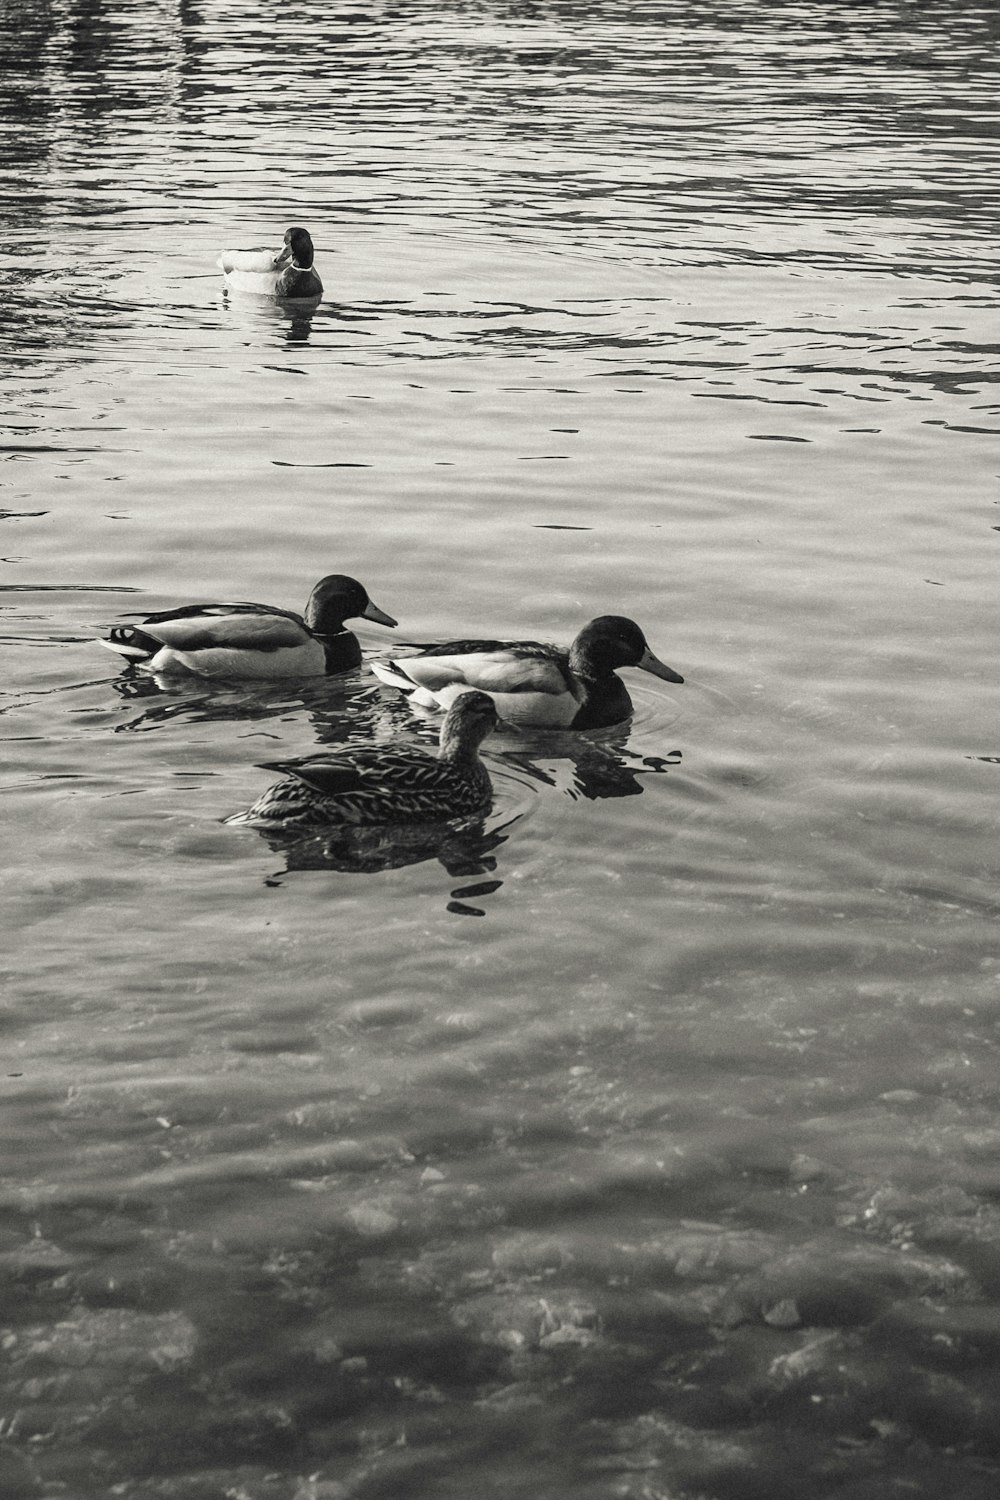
[{"x": 642, "y": 1142}]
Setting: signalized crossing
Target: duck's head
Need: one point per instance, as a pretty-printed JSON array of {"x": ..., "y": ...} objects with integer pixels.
[
  {"x": 337, "y": 598},
  {"x": 613, "y": 641},
  {"x": 297, "y": 250},
  {"x": 471, "y": 717}
]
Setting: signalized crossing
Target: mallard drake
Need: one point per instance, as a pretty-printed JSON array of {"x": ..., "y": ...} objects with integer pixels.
[
  {"x": 532, "y": 682},
  {"x": 398, "y": 784},
  {"x": 253, "y": 640},
  {"x": 290, "y": 273}
]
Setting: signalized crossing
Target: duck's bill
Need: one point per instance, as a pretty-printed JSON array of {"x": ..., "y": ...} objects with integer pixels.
[
  {"x": 378, "y": 615},
  {"x": 651, "y": 663},
  {"x": 283, "y": 258}
]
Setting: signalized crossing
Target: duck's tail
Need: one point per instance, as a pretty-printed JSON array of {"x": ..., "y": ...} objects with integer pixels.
[
  {"x": 393, "y": 675},
  {"x": 389, "y": 673},
  {"x": 286, "y": 804},
  {"x": 131, "y": 642},
  {"x": 246, "y": 260}
]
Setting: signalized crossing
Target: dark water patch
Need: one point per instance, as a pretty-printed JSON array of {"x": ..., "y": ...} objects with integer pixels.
[
  {"x": 26, "y": 450},
  {"x": 67, "y": 588},
  {"x": 962, "y": 1337},
  {"x": 956, "y": 427}
]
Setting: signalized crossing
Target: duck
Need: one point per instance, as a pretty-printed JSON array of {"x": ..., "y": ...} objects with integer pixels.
[
  {"x": 532, "y": 682},
  {"x": 289, "y": 273},
  {"x": 392, "y": 784},
  {"x": 253, "y": 640}
]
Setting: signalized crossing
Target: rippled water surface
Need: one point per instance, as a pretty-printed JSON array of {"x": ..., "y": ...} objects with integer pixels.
[{"x": 639, "y": 1142}]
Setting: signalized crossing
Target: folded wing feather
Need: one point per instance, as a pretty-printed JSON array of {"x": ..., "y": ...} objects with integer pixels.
[
  {"x": 366, "y": 771},
  {"x": 251, "y": 632},
  {"x": 492, "y": 671}
]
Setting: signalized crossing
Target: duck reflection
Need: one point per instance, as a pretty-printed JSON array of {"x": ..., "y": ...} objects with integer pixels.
[
  {"x": 464, "y": 852},
  {"x": 595, "y": 770},
  {"x": 379, "y": 802},
  {"x": 346, "y": 710},
  {"x": 291, "y": 321},
  {"x": 468, "y": 851},
  {"x": 339, "y": 708},
  {"x": 351, "y": 711},
  {"x": 583, "y": 769}
]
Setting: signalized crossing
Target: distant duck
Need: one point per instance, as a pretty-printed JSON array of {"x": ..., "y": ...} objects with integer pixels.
[
  {"x": 401, "y": 784},
  {"x": 253, "y": 640},
  {"x": 290, "y": 273},
  {"x": 533, "y": 683}
]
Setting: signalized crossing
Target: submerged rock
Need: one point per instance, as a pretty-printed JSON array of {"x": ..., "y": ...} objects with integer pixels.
[
  {"x": 838, "y": 1286},
  {"x": 36, "y": 1259},
  {"x": 802, "y": 1298},
  {"x": 111, "y": 1339},
  {"x": 518, "y": 1321},
  {"x": 373, "y": 1220}
]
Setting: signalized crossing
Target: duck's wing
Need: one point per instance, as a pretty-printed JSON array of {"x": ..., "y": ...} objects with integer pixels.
[
  {"x": 230, "y": 607},
  {"x": 522, "y": 667},
  {"x": 325, "y": 774},
  {"x": 363, "y": 771},
  {"x": 247, "y": 260},
  {"x": 474, "y": 648},
  {"x": 204, "y": 630}
]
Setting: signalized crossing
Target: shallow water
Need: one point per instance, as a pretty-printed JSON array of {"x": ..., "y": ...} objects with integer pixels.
[{"x": 641, "y": 1141}]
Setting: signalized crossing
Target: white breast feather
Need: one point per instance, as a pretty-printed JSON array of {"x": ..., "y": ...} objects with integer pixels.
[{"x": 306, "y": 660}]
